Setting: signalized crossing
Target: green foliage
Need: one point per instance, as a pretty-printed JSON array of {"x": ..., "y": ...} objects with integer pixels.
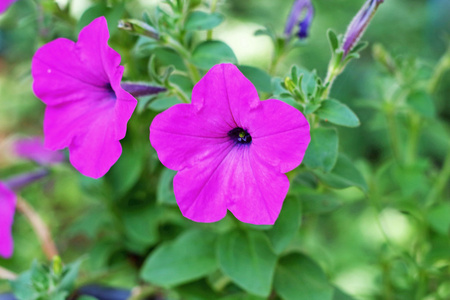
[
  {"x": 189, "y": 257},
  {"x": 322, "y": 151},
  {"x": 210, "y": 53},
  {"x": 297, "y": 277},
  {"x": 337, "y": 113},
  {"x": 199, "y": 20},
  {"x": 248, "y": 259}
]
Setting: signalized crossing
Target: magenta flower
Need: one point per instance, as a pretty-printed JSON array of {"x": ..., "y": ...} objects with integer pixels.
[
  {"x": 7, "y": 210},
  {"x": 4, "y": 5},
  {"x": 230, "y": 149},
  {"x": 33, "y": 148},
  {"x": 87, "y": 109}
]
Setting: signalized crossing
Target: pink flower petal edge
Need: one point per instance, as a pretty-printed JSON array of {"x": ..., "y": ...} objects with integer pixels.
[
  {"x": 87, "y": 109},
  {"x": 230, "y": 149},
  {"x": 7, "y": 210}
]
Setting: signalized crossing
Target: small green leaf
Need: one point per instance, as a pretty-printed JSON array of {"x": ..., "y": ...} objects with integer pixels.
[
  {"x": 190, "y": 256},
  {"x": 439, "y": 218},
  {"x": 337, "y": 113},
  {"x": 248, "y": 259},
  {"x": 168, "y": 57},
  {"x": 333, "y": 40},
  {"x": 141, "y": 225},
  {"x": 421, "y": 103},
  {"x": 84, "y": 297},
  {"x": 297, "y": 277},
  {"x": 286, "y": 226},
  {"x": 322, "y": 151},
  {"x": 260, "y": 79},
  {"x": 112, "y": 15},
  {"x": 340, "y": 295},
  {"x": 343, "y": 175},
  {"x": 70, "y": 274},
  {"x": 210, "y": 53},
  {"x": 164, "y": 192},
  {"x": 199, "y": 20}
]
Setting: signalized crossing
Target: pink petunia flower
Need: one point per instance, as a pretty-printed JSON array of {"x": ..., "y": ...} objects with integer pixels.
[
  {"x": 7, "y": 210},
  {"x": 4, "y": 5},
  {"x": 230, "y": 149},
  {"x": 87, "y": 109},
  {"x": 33, "y": 148}
]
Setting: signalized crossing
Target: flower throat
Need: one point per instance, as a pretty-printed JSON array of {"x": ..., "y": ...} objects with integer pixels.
[{"x": 240, "y": 136}]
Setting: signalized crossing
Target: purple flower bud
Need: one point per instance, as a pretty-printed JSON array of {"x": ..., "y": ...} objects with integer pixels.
[
  {"x": 295, "y": 16},
  {"x": 17, "y": 182},
  {"x": 359, "y": 24},
  {"x": 137, "y": 89}
]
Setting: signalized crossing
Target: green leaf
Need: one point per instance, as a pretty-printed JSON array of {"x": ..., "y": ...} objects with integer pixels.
[
  {"x": 199, "y": 20},
  {"x": 141, "y": 225},
  {"x": 163, "y": 102},
  {"x": 297, "y": 277},
  {"x": 260, "y": 79},
  {"x": 129, "y": 163},
  {"x": 248, "y": 259},
  {"x": 322, "y": 151},
  {"x": 337, "y": 113},
  {"x": 164, "y": 191},
  {"x": 421, "y": 103},
  {"x": 22, "y": 287},
  {"x": 314, "y": 202},
  {"x": 286, "y": 225},
  {"x": 168, "y": 57},
  {"x": 340, "y": 295},
  {"x": 242, "y": 297},
  {"x": 70, "y": 274},
  {"x": 333, "y": 40},
  {"x": 210, "y": 53},
  {"x": 112, "y": 15},
  {"x": 439, "y": 218},
  {"x": 190, "y": 256},
  {"x": 343, "y": 175}
]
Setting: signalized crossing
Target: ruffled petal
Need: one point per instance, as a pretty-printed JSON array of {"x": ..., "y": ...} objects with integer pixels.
[
  {"x": 183, "y": 136},
  {"x": 200, "y": 191},
  {"x": 280, "y": 134},
  {"x": 225, "y": 92},
  {"x": 7, "y": 210},
  {"x": 85, "y": 128},
  {"x": 233, "y": 180}
]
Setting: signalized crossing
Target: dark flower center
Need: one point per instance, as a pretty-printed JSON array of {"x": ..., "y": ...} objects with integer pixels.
[{"x": 240, "y": 136}]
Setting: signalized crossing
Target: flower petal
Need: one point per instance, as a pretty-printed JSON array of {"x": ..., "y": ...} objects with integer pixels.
[
  {"x": 183, "y": 136},
  {"x": 280, "y": 134},
  {"x": 82, "y": 127},
  {"x": 225, "y": 92},
  {"x": 7, "y": 210},
  {"x": 233, "y": 180},
  {"x": 67, "y": 71}
]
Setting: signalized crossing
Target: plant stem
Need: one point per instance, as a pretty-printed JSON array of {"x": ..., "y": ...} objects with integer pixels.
[
  {"x": 440, "y": 182},
  {"x": 442, "y": 66},
  {"x": 39, "y": 227},
  {"x": 7, "y": 274},
  {"x": 193, "y": 71},
  {"x": 209, "y": 33},
  {"x": 414, "y": 132}
]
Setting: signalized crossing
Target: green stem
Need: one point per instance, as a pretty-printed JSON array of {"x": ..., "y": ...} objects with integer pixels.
[
  {"x": 209, "y": 33},
  {"x": 393, "y": 134},
  {"x": 414, "y": 132},
  {"x": 442, "y": 66},
  {"x": 440, "y": 182},
  {"x": 193, "y": 71}
]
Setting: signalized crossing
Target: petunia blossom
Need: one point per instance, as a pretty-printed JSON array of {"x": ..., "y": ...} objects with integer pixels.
[
  {"x": 33, "y": 148},
  {"x": 230, "y": 149},
  {"x": 7, "y": 210},
  {"x": 4, "y": 5},
  {"x": 87, "y": 109}
]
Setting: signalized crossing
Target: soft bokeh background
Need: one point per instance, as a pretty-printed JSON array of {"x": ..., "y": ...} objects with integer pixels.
[{"x": 350, "y": 241}]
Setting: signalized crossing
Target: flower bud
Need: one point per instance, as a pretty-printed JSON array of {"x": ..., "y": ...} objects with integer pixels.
[{"x": 295, "y": 16}]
